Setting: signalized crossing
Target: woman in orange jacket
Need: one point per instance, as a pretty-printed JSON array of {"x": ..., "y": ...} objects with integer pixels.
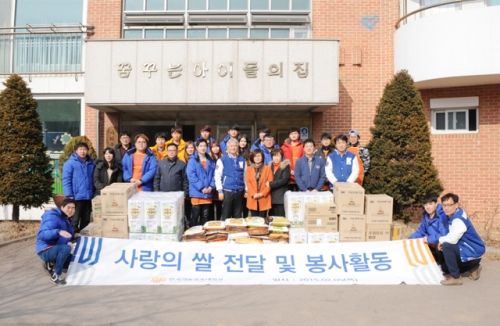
[{"x": 258, "y": 194}]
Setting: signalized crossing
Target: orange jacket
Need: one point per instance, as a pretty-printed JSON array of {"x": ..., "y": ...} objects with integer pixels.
[
  {"x": 361, "y": 173},
  {"x": 288, "y": 154},
  {"x": 264, "y": 202}
]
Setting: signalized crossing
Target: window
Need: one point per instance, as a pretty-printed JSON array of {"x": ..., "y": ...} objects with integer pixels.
[
  {"x": 60, "y": 121},
  {"x": 45, "y": 12},
  {"x": 197, "y": 4},
  {"x": 494, "y": 3},
  {"x": 238, "y": 4},
  {"x": 196, "y": 33},
  {"x": 153, "y": 33},
  {"x": 132, "y": 33},
  {"x": 238, "y": 33},
  {"x": 155, "y": 4},
  {"x": 217, "y": 4},
  {"x": 455, "y": 121},
  {"x": 217, "y": 33},
  {"x": 175, "y": 33},
  {"x": 259, "y": 33},
  {"x": 280, "y": 33},
  {"x": 176, "y": 4},
  {"x": 280, "y": 5}
]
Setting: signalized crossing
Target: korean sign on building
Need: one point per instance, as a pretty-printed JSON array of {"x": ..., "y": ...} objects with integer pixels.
[
  {"x": 99, "y": 261},
  {"x": 212, "y": 72}
]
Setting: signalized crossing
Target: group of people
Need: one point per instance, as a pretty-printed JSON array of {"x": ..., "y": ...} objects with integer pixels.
[{"x": 451, "y": 237}]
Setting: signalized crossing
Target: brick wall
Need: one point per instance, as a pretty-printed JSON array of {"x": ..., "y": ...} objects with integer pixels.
[
  {"x": 365, "y": 29},
  {"x": 469, "y": 164},
  {"x": 106, "y": 16},
  {"x": 91, "y": 126}
]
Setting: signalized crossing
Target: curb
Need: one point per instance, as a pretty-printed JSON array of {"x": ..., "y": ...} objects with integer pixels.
[{"x": 4, "y": 244}]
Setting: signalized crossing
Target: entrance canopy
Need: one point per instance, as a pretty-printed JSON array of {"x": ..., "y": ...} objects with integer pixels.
[{"x": 180, "y": 75}]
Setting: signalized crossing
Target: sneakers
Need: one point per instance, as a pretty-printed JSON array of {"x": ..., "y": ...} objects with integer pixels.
[
  {"x": 475, "y": 272},
  {"x": 452, "y": 281},
  {"x": 57, "y": 279},
  {"x": 47, "y": 267}
]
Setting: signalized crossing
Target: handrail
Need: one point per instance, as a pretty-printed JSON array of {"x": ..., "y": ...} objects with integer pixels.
[
  {"x": 50, "y": 29},
  {"x": 427, "y": 7}
]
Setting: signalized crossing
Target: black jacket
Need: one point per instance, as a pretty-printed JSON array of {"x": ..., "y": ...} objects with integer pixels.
[
  {"x": 319, "y": 153},
  {"x": 280, "y": 183},
  {"x": 101, "y": 175},
  {"x": 118, "y": 152},
  {"x": 171, "y": 176}
]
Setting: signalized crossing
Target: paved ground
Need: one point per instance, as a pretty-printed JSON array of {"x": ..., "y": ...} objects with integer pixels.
[{"x": 28, "y": 298}]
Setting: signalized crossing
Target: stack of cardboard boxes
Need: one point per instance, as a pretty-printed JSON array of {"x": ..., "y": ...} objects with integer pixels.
[
  {"x": 156, "y": 216},
  {"x": 114, "y": 207}
]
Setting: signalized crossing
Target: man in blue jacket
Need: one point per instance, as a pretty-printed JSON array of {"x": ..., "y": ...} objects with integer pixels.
[
  {"x": 230, "y": 173},
  {"x": 205, "y": 133},
  {"x": 310, "y": 169},
  {"x": 55, "y": 232},
  {"x": 462, "y": 247},
  {"x": 232, "y": 133},
  {"x": 262, "y": 132},
  {"x": 434, "y": 225},
  {"x": 78, "y": 183},
  {"x": 342, "y": 165}
]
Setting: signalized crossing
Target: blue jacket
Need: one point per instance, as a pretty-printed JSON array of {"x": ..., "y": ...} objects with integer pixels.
[
  {"x": 233, "y": 175},
  {"x": 342, "y": 167},
  {"x": 471, "y": 245},
  {"x": 258, "y": 142},
  {"x": 223, "y": 143},
  {"x": 53, "y": 221},
  {"x": 267, "y": 154},
  {"x": 432, "y": 229},
  {"x": 199, "y": 177},
  {"x": 309, "y": 180},
  {"x": 149, "y": 167},
  {"x": 78, "y": 177},
  {"x": 210, "y": 140}
]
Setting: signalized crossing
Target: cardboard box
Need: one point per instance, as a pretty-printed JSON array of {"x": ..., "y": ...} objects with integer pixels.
[
  {"x": 378, "y": 209},
  {"x": 136, "y": 216},
  {"x": 315, "y": 238},
  {"x": 126, "y": 185},
  {"x": 332, "y": 237},
  {"x": 378, "y": 232},
  {"x": 115, "y": 227},
  {"x": 114, "y": 200},
  {"x": 321, "y": 209},
  {"x": 321, "y": 224},
  {"x": 96, "y": 210},
  {"x": 137, "y": 236},
  {"x": 297, "y": 236},
  {"x": 294, "y": 209},
  {"x": 170, "y": 219},
  {"x": 352, "y": 227},
  {"x": 152, "y": 216},
  {"x": 171, "y": 237},
  {"x": 349, "y": 197}
]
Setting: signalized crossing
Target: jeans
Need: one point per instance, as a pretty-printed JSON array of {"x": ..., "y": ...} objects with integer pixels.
[
  {"x": 200, "y": 211},
  {"x": 452, "y": 262},
  {"x": 82, "y": 215},
  {"x": 232, "y": 205},
  {"x": 187, "y": 212},
  {"x": 60, "y": 254}
]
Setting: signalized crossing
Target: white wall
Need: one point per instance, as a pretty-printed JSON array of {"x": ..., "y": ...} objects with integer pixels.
[{"x": 459, "y": 48}]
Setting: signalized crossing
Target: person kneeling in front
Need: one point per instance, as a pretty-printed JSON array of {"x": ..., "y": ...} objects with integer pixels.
[
  {"x": 462, "y": 247},
  {"x": 56, "y": 231}
]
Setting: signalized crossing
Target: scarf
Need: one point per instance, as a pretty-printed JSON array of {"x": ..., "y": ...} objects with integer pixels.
[{"x": 258, "y": 170}]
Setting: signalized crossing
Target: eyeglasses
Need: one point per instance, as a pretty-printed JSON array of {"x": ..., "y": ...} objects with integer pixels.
[{"x": 449, "y": 205}]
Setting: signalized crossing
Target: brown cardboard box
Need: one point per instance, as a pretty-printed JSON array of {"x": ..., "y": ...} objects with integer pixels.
[
  {"x": 349, "y": 197},
  {"x": 321, "y": 217},
  {"x": 378, "y": 232},
  {"x": 378, "y": 209},
  {"x": 96, "y": 210},
  {"x": 352, "y": 228},
  {"x": 126, "y": 185},
  {"x": 114, "y": 200},
  {"x": 115, "y": 227}
]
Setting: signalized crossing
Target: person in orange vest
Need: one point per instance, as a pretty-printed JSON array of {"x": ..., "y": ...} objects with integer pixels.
[
  {"x": 361, "y": 153},
  {"x": 293, "y": 149}
]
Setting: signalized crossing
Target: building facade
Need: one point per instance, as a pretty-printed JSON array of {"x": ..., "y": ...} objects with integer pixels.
[{"x": 98, "y": 67}]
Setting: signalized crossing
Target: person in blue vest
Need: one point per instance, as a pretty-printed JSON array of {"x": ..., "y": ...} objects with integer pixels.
[
  {"x": 267, "y": 145},
  {"x": 54, "y": 234},
  {"x": 462, "y": 247},
  {"x": 232, "y": 133},
  {"x": 230, "y": 181},
  {"x": 341, "y": 165},
  {"x": 200, "y": 173},
  {"x": 434, "y": 225},
  {"x": 205, "y": 133},
  {"x": 140, "y": 164},
  {"x": 78, "y": 183},
  {"x": 310, "y": 169}
]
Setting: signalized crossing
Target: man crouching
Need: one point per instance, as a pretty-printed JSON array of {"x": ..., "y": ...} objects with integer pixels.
[
  {"x": 56, "y": 231},
  {"x": 462, "y": 247}
]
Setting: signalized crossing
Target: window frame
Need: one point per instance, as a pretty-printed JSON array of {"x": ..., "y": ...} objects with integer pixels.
[{"x": 447, "y": 131}]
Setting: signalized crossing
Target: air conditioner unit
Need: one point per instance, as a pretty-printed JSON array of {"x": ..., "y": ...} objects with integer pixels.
[
  {"x": 281, "y": 19},
  {"x": 153, "y": 19},
  {"x": 217, "y": 19}
]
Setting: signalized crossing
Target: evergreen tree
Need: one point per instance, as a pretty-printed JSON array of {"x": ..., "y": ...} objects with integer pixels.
[
  {"x": 25, "y": 170},
  {"x": 400, "y": 149}
]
